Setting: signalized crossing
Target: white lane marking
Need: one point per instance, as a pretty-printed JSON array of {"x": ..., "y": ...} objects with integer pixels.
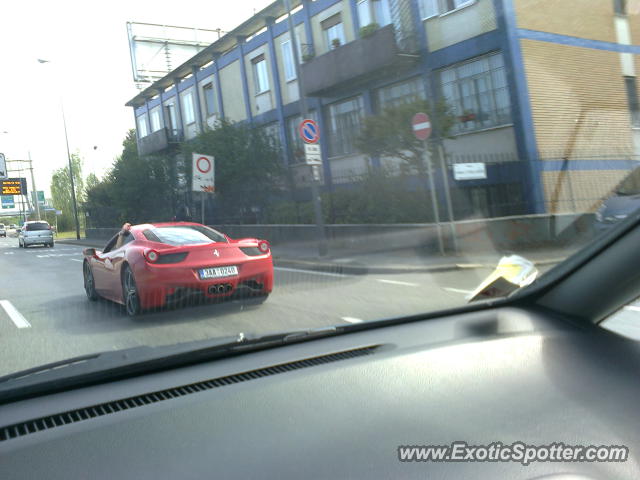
[
  {"x": 397, "y": 282},
  {"x": 76, "y": 260},
  {"x": 457, "y": 290},
  {"x": 312, "y": 272},
  {"x": 352, "y": 320},
  {"x": 632, "y": 307},
  {"x": 49, "y": 255},
  {"x": 15, "y": 316},
  {"x": 9, "y": 253}
]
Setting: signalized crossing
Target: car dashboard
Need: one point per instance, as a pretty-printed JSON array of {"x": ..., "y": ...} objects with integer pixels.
[{"x": 340, "y": 407}]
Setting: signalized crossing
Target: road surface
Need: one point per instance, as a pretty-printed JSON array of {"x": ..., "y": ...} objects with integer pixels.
[{"x": 45, "y": 315}]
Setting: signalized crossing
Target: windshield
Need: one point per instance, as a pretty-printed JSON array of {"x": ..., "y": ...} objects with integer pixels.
[
  {"x": 318, "y": 163},
  {"x": 183, "y": 235},
  {"x": 34, "y": 227}
]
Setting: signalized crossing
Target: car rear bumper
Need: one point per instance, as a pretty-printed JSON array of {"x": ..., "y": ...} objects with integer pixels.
[
  {"x": 37, "y": 240},
  {"x": 159, "y": 285}
]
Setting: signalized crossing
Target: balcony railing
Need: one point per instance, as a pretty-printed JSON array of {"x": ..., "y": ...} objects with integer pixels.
[
  {"x": 159, "y": 140},
  {"x": 357, "y": 61}
]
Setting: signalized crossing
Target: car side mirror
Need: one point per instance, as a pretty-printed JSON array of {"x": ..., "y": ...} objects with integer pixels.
[{"x": 89, "y": 252}]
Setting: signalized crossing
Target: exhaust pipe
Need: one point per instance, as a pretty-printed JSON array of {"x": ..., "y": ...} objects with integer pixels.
[{"x": 221, "y": 288}]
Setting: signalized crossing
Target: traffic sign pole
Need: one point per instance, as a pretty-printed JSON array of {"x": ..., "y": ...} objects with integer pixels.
[
  {"x": 434, "y": 200},
  {"x": 421, "y": 126},
  {"x": 317, "y": 205}
]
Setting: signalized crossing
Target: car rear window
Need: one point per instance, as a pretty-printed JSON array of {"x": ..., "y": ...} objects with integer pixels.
[
  {"x": 33, "y": 227},
  {"x": 183, "y": 235}
]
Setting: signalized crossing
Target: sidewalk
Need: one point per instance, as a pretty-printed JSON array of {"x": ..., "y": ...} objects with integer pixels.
[{"x": 390, "y": 262}]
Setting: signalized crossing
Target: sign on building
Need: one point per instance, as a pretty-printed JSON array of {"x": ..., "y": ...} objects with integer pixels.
[
  {"x": 469, "y": 171},
  {"x": 203, "y": 176}
]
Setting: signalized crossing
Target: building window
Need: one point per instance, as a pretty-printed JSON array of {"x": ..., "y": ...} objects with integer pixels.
[
  {"x": 478, "y": 94},
  {"x": 344, "y": 126},
  {"x": 432, "y": 8},
  {"x": 429, "y": 8},
  {"x": 155, "y": 120},
  {"x": 187, "y": 107},
  {"x": 142, "y": 126},
  {"x": 172, "y": 122},
  {"x": 632, "y": 99},
  {"x": 620, "y": 7},
  {"x": 333, "y": 32},
  {"x": 260, "y": 74},
  {"x": 449, "y": 5},
  {"x": 209, "y": 99},
  {"x": 272, "y": 132},
  {"x": 288, "y": 61},
  {"x": 374, "y": 11},
  {"x": 400, "y": 93}
]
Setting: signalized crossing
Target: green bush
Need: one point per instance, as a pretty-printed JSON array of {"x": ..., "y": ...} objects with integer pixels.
[{"x": 376, "y": 197}]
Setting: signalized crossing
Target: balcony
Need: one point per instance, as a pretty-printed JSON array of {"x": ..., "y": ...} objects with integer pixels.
[
  {"x": 359, "y": 61},
  {"x": 158, "y": 141}
]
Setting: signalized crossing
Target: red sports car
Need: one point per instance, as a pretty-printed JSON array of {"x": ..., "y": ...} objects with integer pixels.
[{"x": 152, "y": 265}]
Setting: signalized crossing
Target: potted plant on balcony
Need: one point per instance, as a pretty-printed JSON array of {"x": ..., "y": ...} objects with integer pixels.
[
  {"x": 307, "y": 57},
  {"x": 467, "y": 116},
  {"x": 369, "y": 30},
  {"x": 335, "y": 43}
]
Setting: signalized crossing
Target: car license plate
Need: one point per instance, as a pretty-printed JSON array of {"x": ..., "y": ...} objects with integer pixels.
[{"x": 218, "y": 272}]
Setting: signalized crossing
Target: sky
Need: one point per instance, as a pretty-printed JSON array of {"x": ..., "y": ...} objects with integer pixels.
[{"x": 88, "y": 73}]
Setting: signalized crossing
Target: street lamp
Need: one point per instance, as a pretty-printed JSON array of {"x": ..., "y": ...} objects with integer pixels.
[{"x": 73, "y": 186}]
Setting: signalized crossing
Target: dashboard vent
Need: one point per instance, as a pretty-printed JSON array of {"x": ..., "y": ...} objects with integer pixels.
[{"x": 78, "y": 415}]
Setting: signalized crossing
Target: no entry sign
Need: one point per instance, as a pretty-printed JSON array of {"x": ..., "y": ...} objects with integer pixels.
[{"x": 421, "y": 125}]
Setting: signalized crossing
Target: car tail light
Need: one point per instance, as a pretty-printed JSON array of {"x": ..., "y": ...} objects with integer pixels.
[
  {"x": 172, "y": 257},
  {"x": 151, "y": 256},
  {"x": 263, "y": 247}
]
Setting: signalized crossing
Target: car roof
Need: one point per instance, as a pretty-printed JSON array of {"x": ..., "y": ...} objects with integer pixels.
[{"x": 145, "y": 226}]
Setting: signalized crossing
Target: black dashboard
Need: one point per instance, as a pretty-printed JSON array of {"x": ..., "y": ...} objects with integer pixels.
[{"x": 340, "y": 407}]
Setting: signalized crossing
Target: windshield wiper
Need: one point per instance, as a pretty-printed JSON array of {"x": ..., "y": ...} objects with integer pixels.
[{"x": 115, "y": 365}]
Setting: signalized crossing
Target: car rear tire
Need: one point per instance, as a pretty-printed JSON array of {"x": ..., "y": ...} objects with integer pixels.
[
  {"x": 130, "y": 295},
  {"x": 89, "y": 282}
]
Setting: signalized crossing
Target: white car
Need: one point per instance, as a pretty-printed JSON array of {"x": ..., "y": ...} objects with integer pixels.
[{"x": 35, "y": 233}]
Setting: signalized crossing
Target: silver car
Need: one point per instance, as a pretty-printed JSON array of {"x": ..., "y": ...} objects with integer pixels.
[
  {"x": 35, "y": 233},
  {"x": 3, "y": 230}
]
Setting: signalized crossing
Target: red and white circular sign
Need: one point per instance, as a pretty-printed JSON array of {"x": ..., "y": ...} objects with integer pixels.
[
  {"x": 203, "y": 164},
  {"x": 421, "y": 125}
]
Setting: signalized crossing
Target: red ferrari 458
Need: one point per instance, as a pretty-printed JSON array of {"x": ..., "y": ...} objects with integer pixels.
[{"x": 152, "y": 265}]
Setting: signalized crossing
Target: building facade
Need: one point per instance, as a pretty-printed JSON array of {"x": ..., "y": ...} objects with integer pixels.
[{"x": 544, "y": 93}]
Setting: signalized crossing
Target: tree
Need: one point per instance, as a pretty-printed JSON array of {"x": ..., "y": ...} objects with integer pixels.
[
  {"x": 248, "y": 168},
  {"x": 136, "y": 189},
  {"x": 91, "y": 182},
  {"x": 61, "y": 192},
  {"x": 390, "y": 134}
]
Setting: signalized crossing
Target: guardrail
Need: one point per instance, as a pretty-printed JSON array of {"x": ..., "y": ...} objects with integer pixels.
[{"x": 487, "y": 234}]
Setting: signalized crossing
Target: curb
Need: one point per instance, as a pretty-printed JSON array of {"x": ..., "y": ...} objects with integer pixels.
[
  {"x": 362, "y": 269},
  {"x": 355, "y": 268},
  {"x": 79, "y": 243}
]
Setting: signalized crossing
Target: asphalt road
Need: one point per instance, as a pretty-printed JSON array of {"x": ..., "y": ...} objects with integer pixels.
[{"x": 45, "y": 315}]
